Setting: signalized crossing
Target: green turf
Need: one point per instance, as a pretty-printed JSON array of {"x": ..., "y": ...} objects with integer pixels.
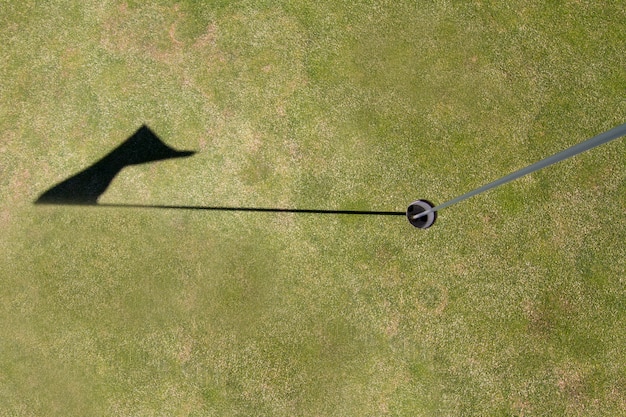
[{"x": 512, "y": 304}]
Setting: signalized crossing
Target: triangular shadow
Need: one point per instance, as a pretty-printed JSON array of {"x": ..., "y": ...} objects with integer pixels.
[{"x": 88, "y": 185}]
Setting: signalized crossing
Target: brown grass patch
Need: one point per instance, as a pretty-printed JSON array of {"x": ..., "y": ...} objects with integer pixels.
[{"x": 208, "y": 39}]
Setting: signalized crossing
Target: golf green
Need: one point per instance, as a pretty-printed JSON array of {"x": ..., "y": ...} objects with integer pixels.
[{"x": 225, "y": 185}]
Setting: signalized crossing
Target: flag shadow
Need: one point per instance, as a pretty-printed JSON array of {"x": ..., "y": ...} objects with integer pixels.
[{"x": 144, "y": 146}]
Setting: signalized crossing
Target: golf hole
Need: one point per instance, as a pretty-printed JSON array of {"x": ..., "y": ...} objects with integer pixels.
[{"x": 418, "y": 207}]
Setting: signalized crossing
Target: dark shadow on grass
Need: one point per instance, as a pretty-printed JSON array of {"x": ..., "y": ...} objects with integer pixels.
[
  {"x": 144, "y": 146},
  {"x": 88, "y": 185},
  {"x": 250, "y": 209}
]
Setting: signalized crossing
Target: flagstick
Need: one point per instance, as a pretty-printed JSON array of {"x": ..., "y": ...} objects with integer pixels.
[{"x": 422, "y": 208}]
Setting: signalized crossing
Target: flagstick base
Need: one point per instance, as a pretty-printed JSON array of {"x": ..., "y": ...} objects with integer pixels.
[{"x": 418, "y": 207}]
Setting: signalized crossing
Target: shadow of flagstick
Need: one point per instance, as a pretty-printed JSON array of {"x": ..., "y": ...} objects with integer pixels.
[
  {"x": 87, "y": 186},
  {"x": 249, "y": 209},
  {"x": 144, "y": 146}
]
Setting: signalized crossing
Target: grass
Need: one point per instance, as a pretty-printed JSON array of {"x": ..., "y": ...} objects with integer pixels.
[{"x": 512, "y": 304}]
